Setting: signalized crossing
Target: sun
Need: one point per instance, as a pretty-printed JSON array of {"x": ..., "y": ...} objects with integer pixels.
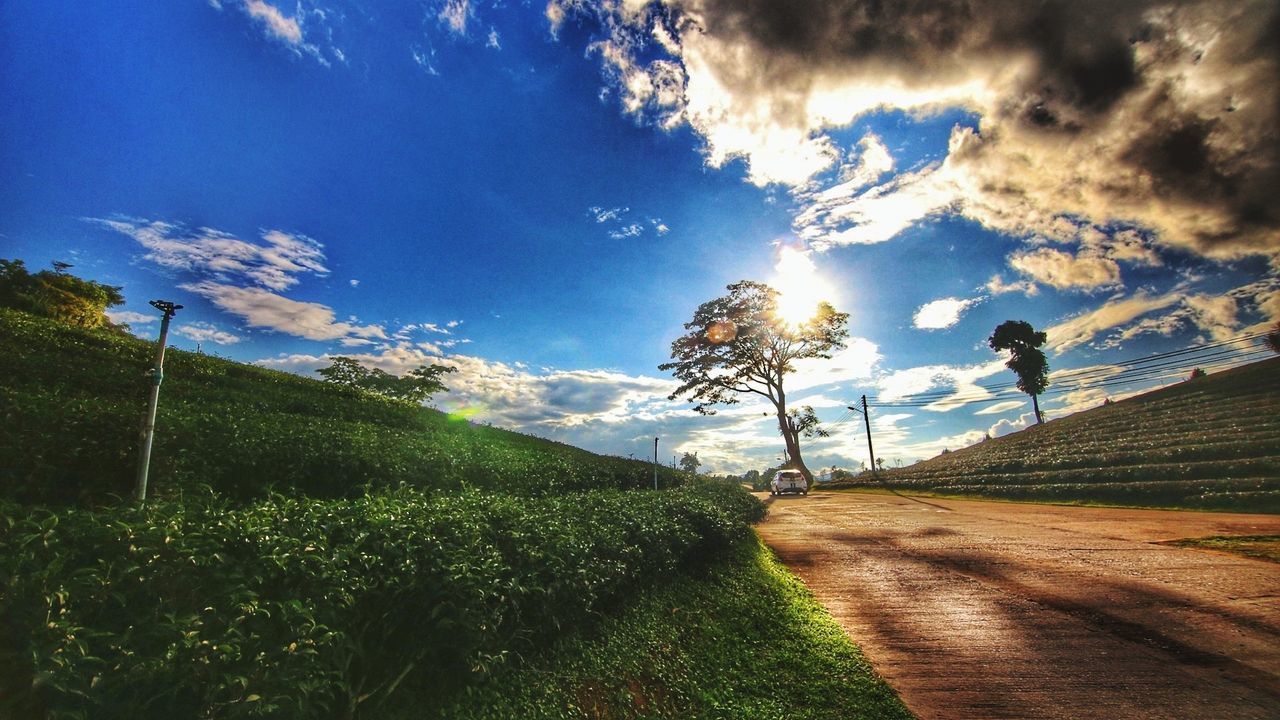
[{"x": 800, "y": 288}]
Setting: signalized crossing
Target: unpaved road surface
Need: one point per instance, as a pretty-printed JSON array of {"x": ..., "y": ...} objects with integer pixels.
[{"x": 977, "y": 610}]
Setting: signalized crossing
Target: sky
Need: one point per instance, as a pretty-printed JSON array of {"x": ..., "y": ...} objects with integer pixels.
[{"x": 539, "y": 194}]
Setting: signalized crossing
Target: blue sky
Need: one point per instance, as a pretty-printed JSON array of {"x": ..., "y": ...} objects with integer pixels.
[{"x": 541, "y": 193}]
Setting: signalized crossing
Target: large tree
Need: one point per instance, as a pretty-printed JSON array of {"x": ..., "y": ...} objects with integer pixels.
[
  {"x": 1273, "y": 339},
  {"x": 1026, "y": 360},
  {"x": 738, "y": 344}
]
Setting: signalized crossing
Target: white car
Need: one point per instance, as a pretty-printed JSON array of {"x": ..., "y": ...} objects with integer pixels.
[{"x": 789, "y": 481}]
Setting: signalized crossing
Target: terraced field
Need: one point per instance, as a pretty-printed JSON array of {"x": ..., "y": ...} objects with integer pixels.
[{"x": 1212, "y": 443}]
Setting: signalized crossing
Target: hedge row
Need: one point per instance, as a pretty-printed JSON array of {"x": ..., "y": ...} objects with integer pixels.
[{"x": 295, "y": 607}]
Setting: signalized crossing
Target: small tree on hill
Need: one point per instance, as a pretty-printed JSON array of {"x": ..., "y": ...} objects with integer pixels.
[
  {"x": 415, "y": 386},
  {"x": 739, "y": 344},
  {"x": 690, "y": 463},
  {"x": 1196, "y": 373},
  {"x": 1026, "y": 360}
]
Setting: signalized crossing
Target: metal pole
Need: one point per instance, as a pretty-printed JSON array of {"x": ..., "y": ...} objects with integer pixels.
[
  {"x": 866, "y": 418},
  {"x": 655, "y": 463},
  {"x": 149, "y": 419}
]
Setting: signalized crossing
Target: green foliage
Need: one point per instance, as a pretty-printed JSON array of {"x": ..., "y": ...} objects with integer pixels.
[
  {"x": 689, "y": 462},
  {"x": 415, "y": 386},
  {"x": 1196, "y": 373},
  {"x": 296, "y": 607},
  {"x": 744, "y": 640},
  {"x": 1212, "y": 444},
  {"x": 1026, "y": 360},
  {"x": 72, "y": 401},
  {"x": 1273, "y": 339},
  {"x": 57, "y": 295}
]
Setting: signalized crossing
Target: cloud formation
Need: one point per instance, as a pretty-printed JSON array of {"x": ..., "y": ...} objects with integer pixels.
[
  {"x": 275, "y": 263},
  {"x": 206, "y": 332},
  {"x": 1162, "y": 114},
  {"x": 943, "y": 313}
]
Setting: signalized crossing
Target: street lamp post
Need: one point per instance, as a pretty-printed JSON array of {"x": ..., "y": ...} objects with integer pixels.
[
  {"x": 655, "y": 463},
  {"x": 149, "y": 418}
]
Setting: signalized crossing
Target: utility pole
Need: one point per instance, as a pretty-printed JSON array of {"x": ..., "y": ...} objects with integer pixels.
[
  {"x": 149, "y": 419},
  {"x": 655, "y": 463},
  {"x": 866, "y": 418}
]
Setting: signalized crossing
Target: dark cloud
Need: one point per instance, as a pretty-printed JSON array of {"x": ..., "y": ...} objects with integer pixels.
[{"x": 1179, "y": 97}]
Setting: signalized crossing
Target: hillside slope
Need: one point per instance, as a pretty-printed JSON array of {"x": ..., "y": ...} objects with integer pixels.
[
  {"x": 71, "y": 402},
  {"x": 1210, "y": 443}
]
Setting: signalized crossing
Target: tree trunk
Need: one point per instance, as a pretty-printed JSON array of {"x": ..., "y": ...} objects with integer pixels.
[
  {"x": 792, "y": 439},
  {"x": 1036, "y": 404}
]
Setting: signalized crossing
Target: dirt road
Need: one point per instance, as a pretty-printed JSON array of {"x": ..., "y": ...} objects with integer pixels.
[{"x": 998, "y": 610}]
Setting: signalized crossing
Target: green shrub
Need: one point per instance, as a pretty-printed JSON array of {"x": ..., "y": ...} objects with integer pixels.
[{"x": 297, "y": 607}]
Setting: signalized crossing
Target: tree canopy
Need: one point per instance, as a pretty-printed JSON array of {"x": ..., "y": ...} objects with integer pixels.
[
  {"x": 690, "y": 463},
  {"x": 414, "y": 386},
  {"x": 737, "y": 344},
  {"x": 1026, "y": 360},
  {"x": 57, "y": 294},
  {"x": 1273, "y": 339}
]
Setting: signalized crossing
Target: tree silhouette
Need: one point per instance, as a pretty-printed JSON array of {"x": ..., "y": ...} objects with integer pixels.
[
  {"x": 1273, "y": 339},
  {"x": 1025, "y": 357},
  {"x": 415, "y": 386},
  {"x": 690, "y": 463},
  {"x": 737, "y": 344}
]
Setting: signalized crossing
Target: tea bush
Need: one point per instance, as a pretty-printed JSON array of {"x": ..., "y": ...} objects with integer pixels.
[
  {"x": 1212, "y": 445},
  {"x": 71, "y": 403},
  {"x": 303, "y": 607}
]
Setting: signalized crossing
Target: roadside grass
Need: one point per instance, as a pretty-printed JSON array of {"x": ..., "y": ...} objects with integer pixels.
[
  {"x": 1262, "y": 547},
  {"x": 743, "y": 640}
]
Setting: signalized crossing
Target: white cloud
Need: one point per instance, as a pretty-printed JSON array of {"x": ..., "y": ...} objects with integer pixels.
[
  {"x": 275, "y": 264},
  {"x": 1114, "y": 313},
  {"x": 274, "y": 22},
  {"x": 1000, "y": 407},
  {"x": 901, "y": 384},
  {"x": 454, "y": 16},
  {"x": 942, "y": 313},
  {"x": 493, "y": 41},
  {"x": 856, "y": 361},
  {"x": 603, "y": 215},
  {"x": 878, "y": 214},
  {"x": 129, "y": 316},
  {"x": 1063, "y": 270},
  {"x": 1215, "y": 314},
  {"x": 264, "y": 309},
  {"x": 997, "y": 286},
  {"x": 627, "y": 231},
  {"x": 353, "y": 282},
  {"x": 206, "y": 332}
]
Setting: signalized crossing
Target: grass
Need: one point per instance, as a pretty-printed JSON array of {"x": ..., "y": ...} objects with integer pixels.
[
  {"x": 745, "y": 640},
  {"x": 1208, "y": 444},
  {"x": 1262, "y": 547}
]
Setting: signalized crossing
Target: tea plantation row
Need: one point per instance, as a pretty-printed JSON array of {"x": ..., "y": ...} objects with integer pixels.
[
  {"x": 71, "y": 403},
  {"x": 293, "y": 607},
  {"x": 1212, "y": 443}
]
